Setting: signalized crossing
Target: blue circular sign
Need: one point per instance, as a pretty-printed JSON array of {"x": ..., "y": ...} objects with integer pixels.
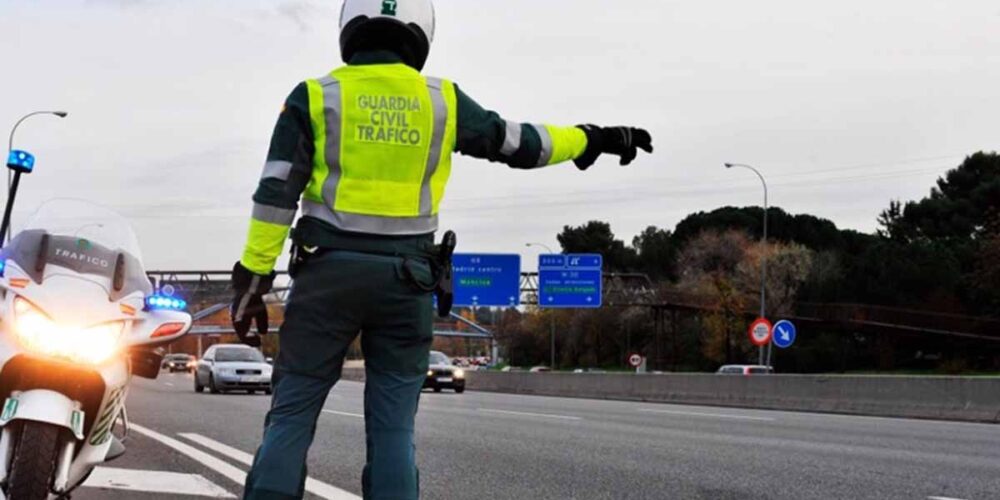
[{"x": 783, "y": 334}]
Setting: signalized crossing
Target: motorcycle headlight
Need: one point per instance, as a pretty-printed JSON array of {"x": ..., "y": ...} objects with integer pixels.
[{"x": 38, "y": 333}]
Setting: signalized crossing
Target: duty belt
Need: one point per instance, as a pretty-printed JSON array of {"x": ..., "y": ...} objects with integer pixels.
[{"x": 439, "y": 257}]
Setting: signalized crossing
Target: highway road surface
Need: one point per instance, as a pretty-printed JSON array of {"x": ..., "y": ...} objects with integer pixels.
[{"x": 494, "y": 446}]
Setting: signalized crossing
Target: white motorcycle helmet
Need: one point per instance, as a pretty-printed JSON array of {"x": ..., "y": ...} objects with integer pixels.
[{"x": 406, "y": 26}]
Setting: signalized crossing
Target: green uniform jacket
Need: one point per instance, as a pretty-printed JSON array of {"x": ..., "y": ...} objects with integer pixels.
[{"x": 481, "y": 134}]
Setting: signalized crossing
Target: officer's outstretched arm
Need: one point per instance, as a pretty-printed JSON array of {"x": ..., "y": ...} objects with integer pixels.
[{"x": 484, "y": 134}]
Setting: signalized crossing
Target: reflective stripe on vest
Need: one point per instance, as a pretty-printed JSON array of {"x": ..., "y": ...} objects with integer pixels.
[{"x": 384, "y": 138}]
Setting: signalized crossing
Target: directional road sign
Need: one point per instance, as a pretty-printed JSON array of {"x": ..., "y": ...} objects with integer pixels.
[
  {"x": 570, "y": 281},
  {"x": 760, "y": 332},
  {"x": 487, "y": 280},
  {"x": 784, "y": 334}
]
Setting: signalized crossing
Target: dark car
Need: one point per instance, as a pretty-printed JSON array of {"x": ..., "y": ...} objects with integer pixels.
[
  {"x": 178, "y": 362},
  {"x": 443, "y": 375}
]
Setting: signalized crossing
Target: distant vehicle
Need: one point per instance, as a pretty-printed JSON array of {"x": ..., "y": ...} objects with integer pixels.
[
  {"x": 540, "y": 369},
  {"x": 443, "y": 375},
  {"x": 178, "y": 363},
  {"x": 745, "y": 370},
  {"x": 233, "y": 367}
]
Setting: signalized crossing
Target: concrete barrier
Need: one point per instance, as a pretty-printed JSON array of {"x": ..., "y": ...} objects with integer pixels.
[{"x": 971, "y": 399}]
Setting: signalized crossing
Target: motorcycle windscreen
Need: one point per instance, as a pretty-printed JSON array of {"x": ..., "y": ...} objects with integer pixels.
[{"x": 85, "y": 239}]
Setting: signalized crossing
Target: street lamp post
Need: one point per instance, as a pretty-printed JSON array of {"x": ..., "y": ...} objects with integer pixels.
[
  {"x": 11, "y": 188},
  {"x": 763, "y": 258},
  {"x": 552, "y": 323}
]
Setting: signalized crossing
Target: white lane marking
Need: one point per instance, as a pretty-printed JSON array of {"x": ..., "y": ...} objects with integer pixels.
[
  {"x": 312, "y": 486},
  {"x": 152, "y": 481},
  {"x": 708, "y": 415},
  {"x": 169, "y": 384},
  {"x": 526, "y": 414},
  {"x": 223, "y": 468},
  {"x": 343, "y": 414}
]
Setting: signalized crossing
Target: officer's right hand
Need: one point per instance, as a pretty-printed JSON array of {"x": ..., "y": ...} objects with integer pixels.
[
  {"x": 624, "y": 142},
  {"x": 248, "y": 304}
]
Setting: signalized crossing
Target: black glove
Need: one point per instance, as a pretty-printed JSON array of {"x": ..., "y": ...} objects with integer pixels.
[
  {"x": 622, "y": 141},
  {"x": 248, "y": 305}
]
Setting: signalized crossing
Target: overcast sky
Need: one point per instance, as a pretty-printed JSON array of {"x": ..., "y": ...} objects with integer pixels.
[{"x": 843, "y": 106}]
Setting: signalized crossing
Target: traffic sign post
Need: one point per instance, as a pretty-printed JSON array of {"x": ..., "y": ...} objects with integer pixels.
[
  {"x": 760, "y": 332},
  {"x": 784, "y": 334},
  {"x": 487, "y": 280},
  {"x": 570, "y": 281}
]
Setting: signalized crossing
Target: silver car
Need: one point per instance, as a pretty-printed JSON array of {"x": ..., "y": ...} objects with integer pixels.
[{"x": 233, "y": 367}]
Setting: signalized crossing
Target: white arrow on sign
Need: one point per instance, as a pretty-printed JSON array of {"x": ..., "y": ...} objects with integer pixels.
[{"x": 784, "y": 334}]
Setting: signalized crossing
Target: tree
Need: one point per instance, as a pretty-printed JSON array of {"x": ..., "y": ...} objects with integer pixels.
[
  {"x": 657, "y": 254},
  {"x": 956, "y": 209},
  {"x": 788, "y": 267},
  {"x": 813, "y": 232},
  {"x": 707, "y": 268},
  {"x": 596, "y": 237}
]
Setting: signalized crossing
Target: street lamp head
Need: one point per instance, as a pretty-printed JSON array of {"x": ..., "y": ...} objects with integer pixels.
[
  {"x": 729, "y": 165},
  {"x": 60, "y": 114}
]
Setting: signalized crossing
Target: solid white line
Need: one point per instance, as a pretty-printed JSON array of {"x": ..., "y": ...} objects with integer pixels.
[
  {"x": 343, "y": 414},
  {"x": 526, "y": 414},
  {"x": 152, "y": 481},
  {"x": 708, "y": 415},
  {"x": 223, "y": 468},
  {"x": 312, "y": 486}
]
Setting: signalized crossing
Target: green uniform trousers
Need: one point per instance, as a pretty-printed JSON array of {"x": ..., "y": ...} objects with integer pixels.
[{"x": 335, "y": 297}]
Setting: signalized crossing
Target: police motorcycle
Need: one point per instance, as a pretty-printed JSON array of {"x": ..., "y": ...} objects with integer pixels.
[{"x": 78, "y": 318}]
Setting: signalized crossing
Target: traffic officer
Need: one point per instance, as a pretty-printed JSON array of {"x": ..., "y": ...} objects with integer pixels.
[{"x": 367, "y": 149}]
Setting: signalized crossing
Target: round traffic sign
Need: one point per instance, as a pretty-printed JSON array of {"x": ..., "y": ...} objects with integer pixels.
[
  {"x": 760, "y": 332},
  {"x": 784, "y": 334},
  {"x": 635, "y": 360}
]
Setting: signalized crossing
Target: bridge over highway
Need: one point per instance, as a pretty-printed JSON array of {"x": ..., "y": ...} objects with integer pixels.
[
  {"x": 208, "y": 293},
  {"x": 209, "y": 290}
]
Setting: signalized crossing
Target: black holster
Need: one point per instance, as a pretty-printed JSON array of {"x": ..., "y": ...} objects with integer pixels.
[
  {"x": 299, "y": 256},
  {"x": 445, "y": 288}
]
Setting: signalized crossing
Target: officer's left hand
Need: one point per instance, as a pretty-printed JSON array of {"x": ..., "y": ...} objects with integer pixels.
[
  {"x": 624, "y": 142},
  {"x": 248, "y": 304}
]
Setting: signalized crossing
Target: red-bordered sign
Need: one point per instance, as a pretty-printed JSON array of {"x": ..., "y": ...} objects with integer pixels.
[
  {"x": 635, "y": 360},
  {"x": 760, "y": 332}
]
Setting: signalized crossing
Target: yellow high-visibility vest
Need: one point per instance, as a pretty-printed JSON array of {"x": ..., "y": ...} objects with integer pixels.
[{"x": 384, "y": 136}]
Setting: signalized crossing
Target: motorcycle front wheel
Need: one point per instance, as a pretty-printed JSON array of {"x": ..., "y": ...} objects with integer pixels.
[{"x": 34, "y": 463}]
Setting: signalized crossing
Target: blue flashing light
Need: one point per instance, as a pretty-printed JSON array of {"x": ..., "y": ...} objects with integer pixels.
[
  {"x": 21, "y": 161},
  {"x": 3, "y": 266},
  {"x": 164, "y": 302}
]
